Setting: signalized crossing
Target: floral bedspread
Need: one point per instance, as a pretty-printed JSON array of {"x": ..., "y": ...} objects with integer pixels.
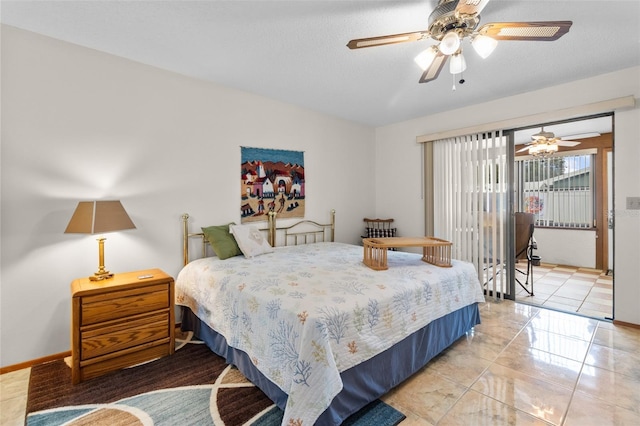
[{"x": 305, "y": 313}]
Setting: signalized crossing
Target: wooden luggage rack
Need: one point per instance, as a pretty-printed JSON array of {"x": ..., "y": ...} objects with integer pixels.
[{"x": 434, "y": 250}]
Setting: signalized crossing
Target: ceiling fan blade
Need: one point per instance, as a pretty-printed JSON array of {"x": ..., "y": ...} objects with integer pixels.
[
  {"x": 536, "y": 31},
  {"x": 471, "y": 7},
  {"x": 523, "y": 149},
  {"x": 388, "y": 39},
  {"x": 567, "y": 143},
  {"x": 581, "y": 136},
  {"x": 434, "y": 69}
]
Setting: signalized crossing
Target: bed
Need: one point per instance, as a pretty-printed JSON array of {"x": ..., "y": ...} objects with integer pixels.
[{"x": 313, "y": 327}]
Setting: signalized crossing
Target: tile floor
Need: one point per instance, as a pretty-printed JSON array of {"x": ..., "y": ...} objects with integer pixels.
[
  {"x": 529, "y": 365},
  {"x": 523, "y": 365},
  {"x": 586, "y": 291}
]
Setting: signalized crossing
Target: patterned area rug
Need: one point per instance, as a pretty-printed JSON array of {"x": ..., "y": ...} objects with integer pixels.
[{"x": 191, "y": 387}]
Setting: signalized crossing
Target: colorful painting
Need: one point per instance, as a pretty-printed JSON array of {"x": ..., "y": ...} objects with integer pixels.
[{"x": 271, "y": 180}]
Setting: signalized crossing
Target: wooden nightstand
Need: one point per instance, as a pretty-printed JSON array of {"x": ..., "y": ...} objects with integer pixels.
[{"x": 121, "y": 321}]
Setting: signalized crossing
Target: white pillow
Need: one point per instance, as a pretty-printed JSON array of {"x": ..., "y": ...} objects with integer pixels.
[{"x": 250, "y": 240}]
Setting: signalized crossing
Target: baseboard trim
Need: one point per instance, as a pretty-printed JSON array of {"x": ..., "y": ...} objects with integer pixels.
[
  {"x": 626, "y": 324},
  {"x": 48, "y": 358},
  {"x": 31, "y": 363}
]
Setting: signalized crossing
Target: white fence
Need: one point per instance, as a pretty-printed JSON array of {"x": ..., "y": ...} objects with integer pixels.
[{"x": 571, "y": 208}]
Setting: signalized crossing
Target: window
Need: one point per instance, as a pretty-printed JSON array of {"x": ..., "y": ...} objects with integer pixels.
[{"x": 559, "y": 190}]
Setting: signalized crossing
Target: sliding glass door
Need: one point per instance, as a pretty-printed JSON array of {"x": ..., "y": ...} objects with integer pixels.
[{"x": 471, "y": 205}]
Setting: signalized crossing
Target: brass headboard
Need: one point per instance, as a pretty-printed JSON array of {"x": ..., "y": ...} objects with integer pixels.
[
  {"x": 302, "y": 232},
  {"x": 307, "y": 231}
]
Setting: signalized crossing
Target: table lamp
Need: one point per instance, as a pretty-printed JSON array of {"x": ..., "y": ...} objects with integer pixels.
[{"x": 97, "y": 217}]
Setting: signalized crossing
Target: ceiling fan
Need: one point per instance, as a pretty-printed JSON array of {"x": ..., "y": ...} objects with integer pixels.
[
  {"x": 455, "y": 20},
  {"x": 544, "y": 144}
]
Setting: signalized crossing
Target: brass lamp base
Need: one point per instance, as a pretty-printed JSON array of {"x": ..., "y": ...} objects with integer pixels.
[
  {"x": 102, "y": 273},
  {"x": 99, "y": 276}
]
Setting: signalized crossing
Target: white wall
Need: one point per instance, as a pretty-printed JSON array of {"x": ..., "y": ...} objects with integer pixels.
[
  {"x": 574, "y": 247},
  {"x": 398, "y": 154},
  {"x": 78, "y": 124}
]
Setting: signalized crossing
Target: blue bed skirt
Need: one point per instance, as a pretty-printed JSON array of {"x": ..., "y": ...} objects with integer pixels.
[{"x": 365, "y": 382}]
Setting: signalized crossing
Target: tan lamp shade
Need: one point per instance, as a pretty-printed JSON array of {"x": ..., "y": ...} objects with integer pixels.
[{"x": 97, "y": 217}]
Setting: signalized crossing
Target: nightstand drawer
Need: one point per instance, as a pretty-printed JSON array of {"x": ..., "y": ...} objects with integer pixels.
[
  {"x": 102, "y": 365},
  {"x": 124, "y": 303},
  {"x": 119, "y": 335}
]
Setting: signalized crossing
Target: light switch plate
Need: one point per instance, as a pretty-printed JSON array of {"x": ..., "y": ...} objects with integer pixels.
[{"x": 633, "y": 203}]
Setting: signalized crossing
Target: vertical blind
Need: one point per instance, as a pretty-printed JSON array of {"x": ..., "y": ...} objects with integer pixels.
[{"x": 469, "y": 192}]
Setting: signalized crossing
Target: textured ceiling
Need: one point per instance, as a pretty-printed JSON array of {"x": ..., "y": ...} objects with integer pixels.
[{"x": 294, "y": 51}]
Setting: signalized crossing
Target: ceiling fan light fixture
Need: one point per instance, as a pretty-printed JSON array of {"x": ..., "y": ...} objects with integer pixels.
[
  {"x": 457, "y": 64},
  {"x": 453, "y": 21},
  {"x": 543, "y": 149},
  {"x": 450, "y": 43},
  {"x": 484, "y": 45},
  {"x": 425, "y": 58}
]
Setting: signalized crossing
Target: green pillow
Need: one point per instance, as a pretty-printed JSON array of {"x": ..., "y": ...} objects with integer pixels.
[{"x": 222, "y": 241}]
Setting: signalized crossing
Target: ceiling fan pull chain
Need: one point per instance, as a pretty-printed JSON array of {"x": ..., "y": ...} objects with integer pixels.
[{"x": 454, "y": 82}]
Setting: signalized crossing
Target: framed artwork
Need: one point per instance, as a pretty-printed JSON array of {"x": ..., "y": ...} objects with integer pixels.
[{"x": 271, "y": 180}]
